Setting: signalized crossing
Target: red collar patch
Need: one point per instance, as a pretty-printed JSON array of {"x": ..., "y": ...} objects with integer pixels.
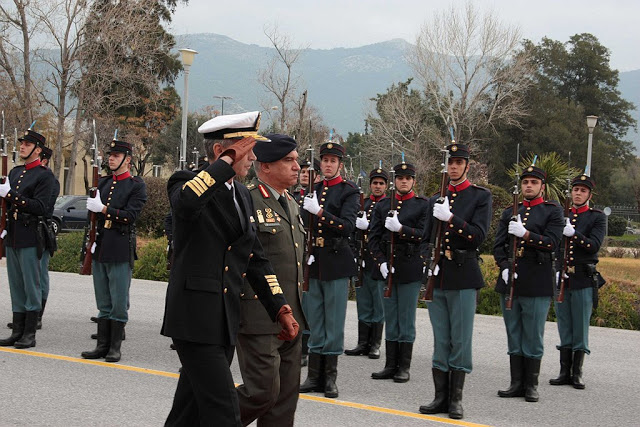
[
  {"x": 123, "y": 175},
  {"x": 462, "y": 186},
  {"x": 580, "y": 210},
  {"x": 334, "y": 181},
  {"x": 33, "y": 164},
  {"x": 377, "y": 199},
  {"x": 409, "y": 195},
  {"x": 534, "y": 202}
]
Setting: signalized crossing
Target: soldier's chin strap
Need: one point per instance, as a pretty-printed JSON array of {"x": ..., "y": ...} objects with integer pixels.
[
  {"x": 121, "y": 162},
  {"x": 31, "y": 153}
]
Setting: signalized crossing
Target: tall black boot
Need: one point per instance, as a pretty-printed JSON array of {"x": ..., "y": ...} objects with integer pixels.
[
  {"x": 404, "y": 362},
  {"x": 363, "y": 347},
  {"x": 315, "y": 374},
  {"x": 391, "y": 364},
  {"x": 39, "y": 324},
  {"x": 375, "y": 340},
  {"x": 516, "y": 388},
  {"x": 28, "y": 338},
  {"x": 532, "y": 372},
  {"x": 576, "y": 377},
  {"x": 124, "y": 336},
  {"x": 330, "y": 376},
  {"x": 116, "y": 341},
  {"x": 304, "y": 358},
  {"x": 104, "y": 340},
  {"x": 440, "y": 403},
  {"x": 17, "y": 329},
  {"x": 456, "y": 384},
  {"x": 565, "y": 368}
]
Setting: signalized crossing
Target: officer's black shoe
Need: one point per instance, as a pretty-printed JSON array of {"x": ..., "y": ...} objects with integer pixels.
[
  {"x": 104, "y": 340},
  {"x": 17, "y": 328},
  {"x": 376, "y": 340},
  {"x": 440, "y": 403},
  {"x": 363, "y": 347},
  {"x": 576, "y": 377},
  {"x": 117, "y": 329},
  {"x": 330, "y": 376},
  {"x": 532, "y": 372},
  {"x": 565, "y": 368},
  {"x": 28, "y": 338},
  {"x": 516, "y": 388},
  {"x": 39, "y": 324},
  {"x": 391, "y": 364},
  {"x": 404, "y": 362},
  {"x": 304, "y": 357},
  {"x": 456, "y": 384},
  {"x": 315, "y": 374}
]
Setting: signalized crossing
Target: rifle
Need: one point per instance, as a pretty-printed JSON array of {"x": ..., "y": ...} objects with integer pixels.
[
  {"x": 93, "y": 218},
  {"x": 567, "y": 240},
  {"x": 364, "y": 233},
  {"x": 435, "y": 242},
  {"x": 14, "y": 153},
  {"x": 392, "y": 243},
  {"x": 312, "y": 178},
  {"x": 513, "y": 252},
  {"x": 5, "y": 171}
]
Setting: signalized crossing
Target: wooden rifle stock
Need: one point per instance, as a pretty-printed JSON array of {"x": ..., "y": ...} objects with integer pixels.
[
  {"x": 93, "y": 225},
  {"x": 565, "y": 255},
  {"x": 436, "y": 243},
  {"x": 513, "y": 252},
  {"x": 361, "y": 249},
  {"x": 3, "y": 207},
  {"x": 307, "y": 267},
  {"x": 392, "y": 242}
]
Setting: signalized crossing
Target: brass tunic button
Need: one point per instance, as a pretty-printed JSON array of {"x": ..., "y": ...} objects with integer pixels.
[
  {"x": 226, "y": 268},
  {"x": 225, "y": 290},
  {"x": 229, "y": 248}
]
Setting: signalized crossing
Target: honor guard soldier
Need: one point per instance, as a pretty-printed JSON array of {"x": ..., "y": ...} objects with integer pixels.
[
  {"x": 369, "y": 293},
  {"x": 466, "y": 215},
  {"x": 270, "y": 367},
  {"x": 303, "y": 180},
  {"x": 585, "y": 229},
  {"x": 537, "y": 230},
  {"x": 334, "y": 208},
  {"x": 215, "y": 248},
  {"x": 28, "y": 191},
  {"x": 406, "y": 222},
  {"x": 118, "y": 201}
]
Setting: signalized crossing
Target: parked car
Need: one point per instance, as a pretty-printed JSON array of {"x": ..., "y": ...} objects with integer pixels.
[{"x": 70, "y": 213}]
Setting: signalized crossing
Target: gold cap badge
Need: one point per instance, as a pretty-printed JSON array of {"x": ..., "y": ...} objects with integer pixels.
[
  {"x": 404, "y": 166},
  {"x": 454, "y": 148},
  {"x": 329, "y": 146},
  {"x": 583, "y": 177},
  {"x": 113, "y": 144},
  {"x": 379, "y": 170},
  {"x": 530, "y": 169}
]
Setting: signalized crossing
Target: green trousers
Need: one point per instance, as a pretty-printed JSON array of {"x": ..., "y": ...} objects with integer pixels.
[
  {"x": 369, "y": 300},
  {"x": 111, "y": 283},
  {"x": 525, "y": 325},
  {"x": 23, "y": 269},
  {"x": 326, "y": 312},
  {"x": 400, "y": 312},
  {"x": 574, "y": 314}
]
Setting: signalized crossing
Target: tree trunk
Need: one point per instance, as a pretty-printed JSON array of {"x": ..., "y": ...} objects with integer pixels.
[{"x": 73, "y": 154}]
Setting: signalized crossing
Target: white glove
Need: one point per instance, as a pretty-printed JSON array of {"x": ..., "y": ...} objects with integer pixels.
[
  {"x": 392, "y": 223},
  {"x": 93, "y": 247},
  {"x": 94, "y": 204},
  {"x": 558, "y": 277},
  {"x": 5, "y": 187},
  {"x": 505, "y": 275},
  {"x": 569, "y": 230},
  {"x": 442, "y": 211},
  {"x": 361, "y": 222},
  {"x": 384, "y": 270},
  {"x": 4, "y": 234},
  {"x": 311, "y": 260},
  {"x": 516, "y": 228},
  {"x": 311, "y": 204},
  {"x": 363, "y": 264},
  {"x": 434, "y": 272}
]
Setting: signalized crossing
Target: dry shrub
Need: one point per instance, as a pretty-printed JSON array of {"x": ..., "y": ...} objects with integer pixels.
[{"x": 617, "y": 252}]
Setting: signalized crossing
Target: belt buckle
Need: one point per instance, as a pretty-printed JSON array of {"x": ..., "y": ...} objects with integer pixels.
[
  {"x": 15, "y": 215},
  {"x": 571, "y": 269},
  {"x": 448, "y": 254},
  {"x": 520, "y": 253},
  {"x": 107, "y": 224},
  {"x": 320, "y": 242}
]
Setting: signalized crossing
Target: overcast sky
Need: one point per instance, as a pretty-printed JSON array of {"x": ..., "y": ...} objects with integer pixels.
[{"x": 325, "y": 24}]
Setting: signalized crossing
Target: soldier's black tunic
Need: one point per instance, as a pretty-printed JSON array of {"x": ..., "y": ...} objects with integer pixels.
[
  {"x": 590, "y": 227},
  {"x": 369, "y": 205}
]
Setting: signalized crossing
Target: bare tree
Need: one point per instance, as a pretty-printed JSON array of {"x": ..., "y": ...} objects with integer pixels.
[{"x": 470, "y": 70}]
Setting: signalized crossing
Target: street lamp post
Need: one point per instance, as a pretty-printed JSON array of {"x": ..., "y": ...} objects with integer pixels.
[
  {"x": 222, "y": 98},
  {"x": 591, "y": 124},
  {"x": 187, "y": 56}
]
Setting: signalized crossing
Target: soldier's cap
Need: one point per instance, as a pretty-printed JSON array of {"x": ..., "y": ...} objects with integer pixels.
[
  {"x": 46, "y": 152},
  {"x": 305, "y": 163},
  {"x": 120, "y": 147},
  {"x": 275, "y": 149},
  {"x": 535, "y": 172},
  {"x": 405, "y": 169},
  {"x": 585, "y": 180},
  {"x": 458, "y": 150},
  {"x": 378, "y": 173},
  {"x": 233, "y": 126},
  {"x": 33, "y": 137},
  {"x": 332, "y": 148}
]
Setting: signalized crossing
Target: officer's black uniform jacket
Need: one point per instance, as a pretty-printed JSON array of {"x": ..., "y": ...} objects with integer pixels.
[
  {"x": 339, "y": 200},
  {"x": 124, "y": 196},
  {"x": 369, "y": 205},
  {"x": 590, "y": 227},
  {"x": 407, "y": 258},
  {"x": 461, "y": 236},
  {"x": 212, "y": 255},
  {"x": 31, "y": 188},
  {"x": 544, "y": 221}
]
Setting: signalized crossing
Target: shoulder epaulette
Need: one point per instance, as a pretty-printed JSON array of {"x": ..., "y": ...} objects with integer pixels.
[
  {"x": 137, "y": 179},
  {"x": 480, "y": 188},
  {"x": 422, "y": 197},
  {"x": 353, "y": 184},
  {"x": 105, "y": 177},
  {"x": 264, "y": 191},
  {"x": 596, "y": 210},
  {"x": 251, "y": 186},
  {"x": 552, "y": 203}
]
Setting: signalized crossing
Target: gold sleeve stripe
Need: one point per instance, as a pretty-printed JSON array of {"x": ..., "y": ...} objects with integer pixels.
[
  {"x": 197, "y": 181},
  {"x": 193, "y": 187},
  {"x": 271, "y": 281},
  {"x": 270, "y": 276},
  {"x": 275, "y": 290},
  {"x": 208, "y": 180}
]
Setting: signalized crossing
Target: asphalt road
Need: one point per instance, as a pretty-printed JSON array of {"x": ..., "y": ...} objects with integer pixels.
[{"x": 51, "y": 386}]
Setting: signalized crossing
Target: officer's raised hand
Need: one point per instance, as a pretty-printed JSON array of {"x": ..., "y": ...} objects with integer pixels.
[
  {"x": 289, "y": 325},
  {"x": 392, "y": 223},
  {"x": 361, "y": 222},
  {"x": 238, "y": 150},
  {"x": 5, "y": 187},
  {"x": 442, "y": 211},
  {"x": 94, "y": 204},
  {"x": 516, "y": 228},
  {"x": 569, "y": 230},
  {"x": 311, "y": 204},
  {"x": 384, "y": 270}
]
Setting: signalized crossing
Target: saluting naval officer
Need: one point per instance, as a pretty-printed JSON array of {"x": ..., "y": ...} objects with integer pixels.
[
  {"x": 537, "y": 230},
  {"x": 117, "y": 203},
  {"x": 406, "y": 221},
  {"x": 270, "y": 367},
  {"x": 585, "y": 229},
  {"x": 369, "y": 293},
  {"x": 333, "y": 207},
  {"x": 215, "y": 248},
  {"x": 28, "y": 191},
  {"x": 466, "y": 215}
]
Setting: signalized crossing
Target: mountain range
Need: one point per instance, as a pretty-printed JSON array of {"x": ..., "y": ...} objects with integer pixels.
[{"x": 340, "y": 81}]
